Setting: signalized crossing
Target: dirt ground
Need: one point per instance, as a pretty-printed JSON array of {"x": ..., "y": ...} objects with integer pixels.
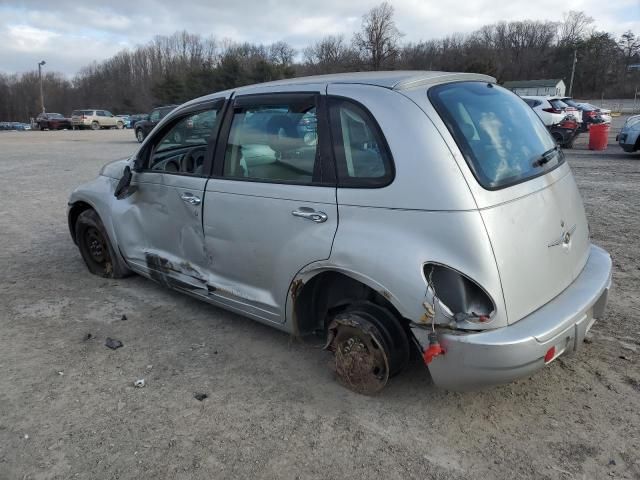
[{"x": 68, "y": 407}]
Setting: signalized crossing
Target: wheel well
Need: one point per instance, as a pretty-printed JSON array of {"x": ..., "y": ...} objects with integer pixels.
[
  {"x": 74, "y": 213},
  {"x": 327, "y": 294}
]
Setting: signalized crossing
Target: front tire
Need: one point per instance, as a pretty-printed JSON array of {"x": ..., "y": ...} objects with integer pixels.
[
  {"x": 95, "y": 247},
  {"x": 95, "y": 126},
  {"x": 120, "y": 125}
]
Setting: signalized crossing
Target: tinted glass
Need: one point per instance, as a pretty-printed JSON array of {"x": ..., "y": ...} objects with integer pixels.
[
  {"x": 55, "y": 115},
  {"x": 273, "y": 142},
  {"x": 570, "y": 102},
  {"x": 502, "y": 139},
  {"x": 558, "y": 104},
  {"x": 361, "y": 153}
]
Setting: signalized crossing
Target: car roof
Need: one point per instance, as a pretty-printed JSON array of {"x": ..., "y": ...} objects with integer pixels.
[
  {"x": 542, "y": 97},
  {"x": 394, "y": 80}
]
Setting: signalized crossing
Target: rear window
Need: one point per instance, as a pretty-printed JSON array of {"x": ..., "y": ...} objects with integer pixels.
[
  {"x": 501, "y": 137},
  {"x": 558, "y": 104}
]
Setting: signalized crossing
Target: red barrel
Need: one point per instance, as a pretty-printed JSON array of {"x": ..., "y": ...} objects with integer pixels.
[{"x": 598, "y": 136}]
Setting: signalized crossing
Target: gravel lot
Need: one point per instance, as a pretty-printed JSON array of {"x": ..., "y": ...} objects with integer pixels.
[{"x": 68, "y": 407}]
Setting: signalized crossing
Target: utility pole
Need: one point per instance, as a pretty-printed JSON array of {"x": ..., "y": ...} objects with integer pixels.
[
  {"x": 40, "y": 64},
  {"x": 573, "y": 69}
]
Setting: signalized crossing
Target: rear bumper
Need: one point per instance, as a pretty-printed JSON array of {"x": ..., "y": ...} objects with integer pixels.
[{"x": 475, "y": 360}]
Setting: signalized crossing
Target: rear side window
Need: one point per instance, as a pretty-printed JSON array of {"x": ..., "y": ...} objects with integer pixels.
[
  {"x": 502, "y": 139},
  {"x": 362, "y": 155},
  {"x": 273, "y": 141}
]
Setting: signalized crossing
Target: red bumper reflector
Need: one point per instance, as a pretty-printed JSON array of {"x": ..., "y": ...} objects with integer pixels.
[{"x": 550, "y": 354}]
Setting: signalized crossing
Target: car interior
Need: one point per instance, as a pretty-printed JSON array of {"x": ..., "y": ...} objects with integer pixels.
[{"x": 271, "y": 144}]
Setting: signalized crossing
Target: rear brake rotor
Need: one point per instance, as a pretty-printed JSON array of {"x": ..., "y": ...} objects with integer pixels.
[{"x": 360, "y": 360}]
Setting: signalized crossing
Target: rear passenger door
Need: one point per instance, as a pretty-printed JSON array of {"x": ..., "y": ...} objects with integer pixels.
[{"x": 270, "y": 208}]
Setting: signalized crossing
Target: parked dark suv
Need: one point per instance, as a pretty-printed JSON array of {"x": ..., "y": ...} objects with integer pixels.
[{"x": 143, "y": 127}]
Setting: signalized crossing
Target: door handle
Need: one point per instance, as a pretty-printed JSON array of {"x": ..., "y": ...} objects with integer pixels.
[
  {"x": 310, "y": 214},
  {"x": 190, "y": 198}
]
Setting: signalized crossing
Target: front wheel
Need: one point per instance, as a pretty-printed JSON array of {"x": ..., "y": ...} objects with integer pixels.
[
  {"x": 120, "y": 125},
  {"x": 95, "y": 126},
  {"x": 95, "y": 248}
]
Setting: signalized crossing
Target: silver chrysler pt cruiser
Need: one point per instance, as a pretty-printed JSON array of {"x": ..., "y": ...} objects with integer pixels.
[{"x": 389, "y": 212}]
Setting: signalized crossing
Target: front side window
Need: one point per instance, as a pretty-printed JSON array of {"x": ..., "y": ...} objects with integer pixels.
[
  {"x": 502, "y": 139},
  {"x": 182, "y": 148},
  {"x": 273, "y": 141},
  {"x": 362, "y": 156},
  {"x": 155, "y": 116}
]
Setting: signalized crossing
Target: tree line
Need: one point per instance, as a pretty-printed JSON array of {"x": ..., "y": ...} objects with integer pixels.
[{"x": 173, "y": 69}]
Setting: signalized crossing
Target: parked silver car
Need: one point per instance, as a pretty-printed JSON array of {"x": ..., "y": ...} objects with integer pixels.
[{"x": 426, "y": 209}]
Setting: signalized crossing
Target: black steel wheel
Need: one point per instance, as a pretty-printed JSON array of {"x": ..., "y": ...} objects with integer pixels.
[{"x": 95, "y": 248}]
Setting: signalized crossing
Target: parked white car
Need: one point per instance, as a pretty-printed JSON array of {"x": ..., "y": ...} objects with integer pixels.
[
  {"x": 551, "y": 110},
  {"x": 384, "y": 211}
]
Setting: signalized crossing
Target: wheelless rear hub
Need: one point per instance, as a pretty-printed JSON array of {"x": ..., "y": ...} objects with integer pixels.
[{"x": 369, "y": 346}]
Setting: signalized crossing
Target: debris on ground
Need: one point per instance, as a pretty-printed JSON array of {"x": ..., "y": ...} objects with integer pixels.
[
  {"x": 139, "y": 383},
  {"x": 124, "y": 317},
  {"x": 112, "y": 344},
  {"x": 149, "y": 367},
  {"x": 88, "y": 336},
  {"x": 200, "y": 396},
  {"x": 61, "y": 373}
]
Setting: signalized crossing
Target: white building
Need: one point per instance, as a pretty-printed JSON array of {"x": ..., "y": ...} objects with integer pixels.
[{"x": 537, "y": 87}]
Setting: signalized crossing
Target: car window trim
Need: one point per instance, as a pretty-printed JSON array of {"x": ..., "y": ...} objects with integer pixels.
[
  {"x": 340, "y": 161},
  {"x": 148, "y": 151},
  {"x": 323, "y": 170}
]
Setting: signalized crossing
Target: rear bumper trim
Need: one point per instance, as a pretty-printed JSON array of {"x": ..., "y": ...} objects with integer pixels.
[{"x": 475, "y": 360}]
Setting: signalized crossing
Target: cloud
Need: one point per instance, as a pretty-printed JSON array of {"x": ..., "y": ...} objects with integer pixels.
[{"x": 69, "y": 34}]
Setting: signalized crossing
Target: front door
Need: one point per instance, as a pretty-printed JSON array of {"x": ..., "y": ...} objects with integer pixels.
[
  {"x": 270, "y": 208},
  {"x": 159, "y": 225}
]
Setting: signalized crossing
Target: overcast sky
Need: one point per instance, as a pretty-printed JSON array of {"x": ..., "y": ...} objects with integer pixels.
[{"x": 69, "y": 34}]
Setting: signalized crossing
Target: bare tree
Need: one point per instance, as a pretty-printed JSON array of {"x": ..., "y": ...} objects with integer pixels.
[
  {"x": 330, "y": 55},
  {"x": 379, "y": 38},
  {"x": 281, "y": 53},
  {"x": 576, "y": 26}
]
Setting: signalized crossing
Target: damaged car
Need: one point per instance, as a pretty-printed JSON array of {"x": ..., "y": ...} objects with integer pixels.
[{"x": 385, "y": 211}]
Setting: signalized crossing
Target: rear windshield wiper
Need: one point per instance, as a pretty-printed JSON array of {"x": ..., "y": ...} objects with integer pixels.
[{"x": 545, "y": 157}]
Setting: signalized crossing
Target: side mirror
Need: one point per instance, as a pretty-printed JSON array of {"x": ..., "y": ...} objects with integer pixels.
[{"x": 123, "y": 185}]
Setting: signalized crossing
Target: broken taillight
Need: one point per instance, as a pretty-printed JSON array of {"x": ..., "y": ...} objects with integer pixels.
[{"x": 550, "y": 354}]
